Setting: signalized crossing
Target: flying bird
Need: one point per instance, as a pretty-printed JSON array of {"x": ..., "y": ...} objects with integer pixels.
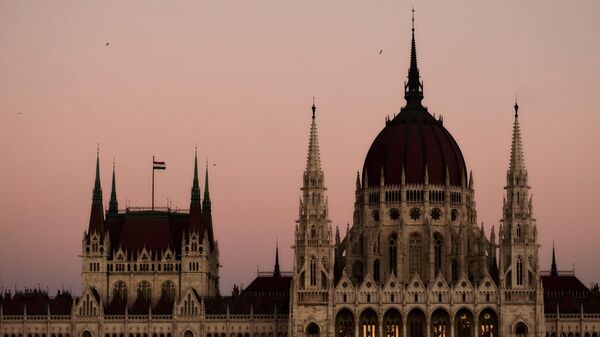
[
  {"x": 107, "y": 43},
  {"x": 380, "y": 51}
]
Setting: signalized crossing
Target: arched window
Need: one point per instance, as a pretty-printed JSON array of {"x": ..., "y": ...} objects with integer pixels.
[
  {"x": 86, "y": 333},
  {"x": 440, "y": 323},
  {"x": 120, "y": 291},
  {"x": 521, "y": 330},
  {"x": 168, "y": 291},
  {"x": 145, "y": 290},
  {"x": 463, "y": 323},
  {"x": 344, "y": 324},
  {"x": 313, "y": 232},
  {"x": 415, "y": 323},
  {"x": 393, "y": 253},
  {"x": 519, "y": 271},
  {"x": 519, "y": 230},
  {"x": 415, "y": 255},
  {"x": 312, "y": 330},
  {"x": 376, "y": 270},
  {"x": 437, "y": 253},
  {"x": 187, "y": 333},
  {"x": 392, "y": 323},
  {"x": 313, "y": 272},
  {"x": 368, "y": 323},
  {"x": 488, "y": 322}
]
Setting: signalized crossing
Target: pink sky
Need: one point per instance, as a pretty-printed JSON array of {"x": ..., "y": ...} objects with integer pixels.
[{"x": 237, "y": 78}]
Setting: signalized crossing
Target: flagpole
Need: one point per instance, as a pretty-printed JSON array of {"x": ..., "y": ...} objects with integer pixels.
[{"x": 152, "y": 183}]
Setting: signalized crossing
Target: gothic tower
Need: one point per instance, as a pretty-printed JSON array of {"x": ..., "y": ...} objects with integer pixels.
[
  {"x": 519, "y": 269},
  {"x": 312, "y": 283},
  {"x": 96, "y": 243}
]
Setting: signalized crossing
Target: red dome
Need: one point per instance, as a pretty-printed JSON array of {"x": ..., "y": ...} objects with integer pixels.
[{"x": 413, "y": 140}]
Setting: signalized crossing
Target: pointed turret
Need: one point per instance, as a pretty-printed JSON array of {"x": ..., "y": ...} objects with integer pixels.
[
  {"x": 206, "y": 210},
  {"x": 113, "y": 205},
  {"x": 97, "y": 215},
  {"x": 413, "y": 88},
  {"x": 276, "y": 270},
  {"x": 553, "y": 269},
  {"x": 195, "y": 222}
]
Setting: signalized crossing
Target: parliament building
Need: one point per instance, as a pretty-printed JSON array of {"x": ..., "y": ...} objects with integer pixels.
[{"x": 414, "y": 262}]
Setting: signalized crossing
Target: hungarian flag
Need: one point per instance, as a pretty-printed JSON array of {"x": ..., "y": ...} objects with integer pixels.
[{"x": 159, "y": 165}]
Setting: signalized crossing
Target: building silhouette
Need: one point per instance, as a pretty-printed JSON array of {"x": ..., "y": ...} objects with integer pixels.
[{"x": 415, "y": 262}]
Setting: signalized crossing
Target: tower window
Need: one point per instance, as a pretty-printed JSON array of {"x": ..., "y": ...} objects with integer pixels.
[
  {"x": 313, "y": 272},
  {"x": 519, "y": 271}
]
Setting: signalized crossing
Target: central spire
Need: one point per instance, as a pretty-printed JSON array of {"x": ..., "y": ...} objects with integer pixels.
[
  {"x": 517, "y": 159},
  {"x": 195, "y": 184},
  {"x": 413, "y": 89}
]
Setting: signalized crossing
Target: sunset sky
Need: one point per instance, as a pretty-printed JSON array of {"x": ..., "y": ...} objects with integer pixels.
[{"x": 236, "y": 78}]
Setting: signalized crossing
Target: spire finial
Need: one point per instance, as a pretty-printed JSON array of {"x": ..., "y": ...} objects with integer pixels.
[
  {"x": 413, "y": 20},
  {"x": 516, "y": 107},
  {"x": 314, "y": 108},
  {"x": 413, "y": 89}
]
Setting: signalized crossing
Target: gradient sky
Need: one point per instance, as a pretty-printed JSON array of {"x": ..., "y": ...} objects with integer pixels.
[{"x": 237, "y": 79}]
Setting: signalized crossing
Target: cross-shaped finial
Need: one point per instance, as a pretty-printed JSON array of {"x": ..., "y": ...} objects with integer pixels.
[
  {"x": 314, "y": 108},
  {"x": 413, "y": 19},
  {"x": 516, "y": 107}
]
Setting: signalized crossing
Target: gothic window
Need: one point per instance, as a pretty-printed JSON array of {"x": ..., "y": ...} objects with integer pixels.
[
  {"x": 463, "y": 323},
  {"x": 375, "y": 214},
  {"x": 313, "y": 232},
  {"x": 393, "y": 253},
  {"x": 312, "y": 330},
  {"x": 344, "y": 324},
  {"x": 436, "y": 213},
  {"x": 488, "y": 321},
  {"x": 415, "y": 255},
  {"x": 376, "y": 270},
  {"x": 518, "y": 230},
  {"x": 519, "y": 271},
  {"x": 120, "y": 291},
  {"x": 521, "y": 330},
  {"x": 394, "y": 214},
  {"x": 168, "y": 290},
  {"x": 454, "y": 214},
  {"x": 145, "y": 290},
  {"x": 323, "y": 280},
  {"x": 313, "y": 272},
  {"x": 415, "y": 213},
  {"x": 440, "y": 323},
  {"x": 357, "y": 272},
  {"x": 416, "y": 323},
  {"x": 368, "y": 323},
  {"x": 438, "y": 253},
  {"x": 392, "y": 323}
]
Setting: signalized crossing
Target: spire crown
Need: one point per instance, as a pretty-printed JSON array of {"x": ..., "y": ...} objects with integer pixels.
[
  {"x": 113, "y": 205},
  {"x": 517, "y": 159},
  {"x": 195, "y": 184},
  {"x": 97, "y": 195},
  {"x": 206, "y": 200},
  {"x": 313, "y": 162}
]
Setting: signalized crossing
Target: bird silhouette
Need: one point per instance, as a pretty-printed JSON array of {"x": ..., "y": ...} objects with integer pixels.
[
  {"x": 380, "y": 51},
  {"x": 107, "y": 43}
]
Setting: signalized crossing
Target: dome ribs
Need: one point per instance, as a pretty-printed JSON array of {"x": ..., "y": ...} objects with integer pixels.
[{"x": 444, "y": 164}]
